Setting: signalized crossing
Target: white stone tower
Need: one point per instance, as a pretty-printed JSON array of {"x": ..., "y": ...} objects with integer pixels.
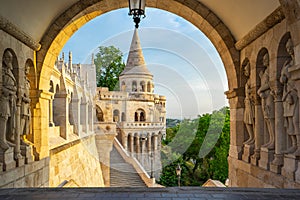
[{"x": 136, "y": 77}]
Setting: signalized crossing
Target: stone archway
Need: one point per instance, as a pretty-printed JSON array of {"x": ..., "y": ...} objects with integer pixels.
[{"x": 83, "y": 11}]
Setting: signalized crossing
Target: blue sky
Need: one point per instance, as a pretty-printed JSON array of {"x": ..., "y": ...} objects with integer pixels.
[{"x": 186, "y": 67}]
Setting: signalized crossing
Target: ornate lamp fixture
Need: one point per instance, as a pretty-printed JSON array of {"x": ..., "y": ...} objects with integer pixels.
[{"x": 137, "y": 9}]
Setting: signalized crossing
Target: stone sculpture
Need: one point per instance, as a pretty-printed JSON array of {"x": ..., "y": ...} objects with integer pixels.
[
  {"x": 7, "y": 103},
  {"x": 290, "y": 101},
  {"x": 267, "y": 103},
  {"x": 249, "y": 112},
  {"x": 25, "y": 107}
]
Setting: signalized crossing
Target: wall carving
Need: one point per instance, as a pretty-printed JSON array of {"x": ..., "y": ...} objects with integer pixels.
[{"x": 290, "y": 102}]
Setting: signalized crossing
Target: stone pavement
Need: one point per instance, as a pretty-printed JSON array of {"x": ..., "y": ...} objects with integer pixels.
[{"x": 172, "y": 193}]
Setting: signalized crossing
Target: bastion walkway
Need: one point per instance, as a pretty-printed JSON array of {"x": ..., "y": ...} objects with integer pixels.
[{"x": 174, "y": 193}]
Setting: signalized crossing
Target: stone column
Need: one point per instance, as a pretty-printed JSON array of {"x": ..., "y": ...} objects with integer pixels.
[
  {"x": 236, "y": 102},
  {"x": 155, "y": 142},
  {"x": 280, "y": 139},
  {"x": 51, "y": 122},
  {"x": 149, "y": 152},
  {"x": 17, "y": 150},
  {"x": 131, "y": 145},
  {"x": 138, "y": 148},
  {"x": 62, "y": 112},
  {"x": 40, "y": 119},
  {"x": 90, "y": 117},
  {"x": 236, "y": 98},
  {"x": 84, "y": 116},
  {"x": 143, "y": 152},
  {"x": 149, "y": 146},
  {"x": 76, "y": 115},
  {"x": 292, "y": 161},
  {"x": 104, "y": 143},
  {"x": 258, "y": 131}
]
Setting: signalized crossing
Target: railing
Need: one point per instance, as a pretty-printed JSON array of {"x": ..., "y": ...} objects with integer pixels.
[
  {"x": 150, "y": 182},
  {"x": 141, "y": 124}
]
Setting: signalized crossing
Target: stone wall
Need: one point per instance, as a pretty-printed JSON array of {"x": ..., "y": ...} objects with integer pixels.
[
  {"x": 267, "y": 134},
  {"x": 76, "y": 162},
  {"x": 34, "y": 174}
]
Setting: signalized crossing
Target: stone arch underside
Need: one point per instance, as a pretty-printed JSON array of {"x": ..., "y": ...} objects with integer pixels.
[{"x": 82, "y": 12}]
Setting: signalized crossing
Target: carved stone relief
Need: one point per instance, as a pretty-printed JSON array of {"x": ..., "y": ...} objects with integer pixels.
[
  {"x": 290, "y": 101},
  {"x": 267, "y": 103},
  {"x": 249, "y": 107},
  {"x": 7, "y": 103}
]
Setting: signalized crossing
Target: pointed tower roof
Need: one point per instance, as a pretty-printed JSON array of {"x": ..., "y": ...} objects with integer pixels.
[{"x": 135, "y": 61}]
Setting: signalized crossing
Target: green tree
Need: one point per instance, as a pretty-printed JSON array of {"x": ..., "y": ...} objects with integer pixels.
[
  {"x": 109, "y": 66},
  {"x": 207, "y": 139}
]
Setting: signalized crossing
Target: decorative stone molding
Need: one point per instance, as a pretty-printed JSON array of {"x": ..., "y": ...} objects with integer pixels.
[
  {"x": 14, "y": 31},
  {"x": 274, "y": 18}
]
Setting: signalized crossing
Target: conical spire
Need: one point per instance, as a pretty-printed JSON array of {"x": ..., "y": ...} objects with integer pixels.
[{"x": 135, "y": 61}]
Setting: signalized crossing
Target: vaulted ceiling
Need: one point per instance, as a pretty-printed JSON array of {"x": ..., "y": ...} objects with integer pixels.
[{"x": 35, "y": 16}]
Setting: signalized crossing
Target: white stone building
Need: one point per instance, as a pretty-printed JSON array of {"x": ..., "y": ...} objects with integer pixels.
[{"x": 140, "y": 115}]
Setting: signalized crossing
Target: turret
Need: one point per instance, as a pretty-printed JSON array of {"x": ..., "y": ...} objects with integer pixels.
[{"x": 136, "y": 77}]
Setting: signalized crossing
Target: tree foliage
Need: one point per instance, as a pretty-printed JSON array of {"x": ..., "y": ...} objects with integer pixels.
[
  {"x": 109, "y": 66},
  {"x": 206, "y": 143}
]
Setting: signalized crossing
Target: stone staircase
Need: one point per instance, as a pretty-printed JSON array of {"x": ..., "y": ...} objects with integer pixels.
[{"x": 122, "y": 174}]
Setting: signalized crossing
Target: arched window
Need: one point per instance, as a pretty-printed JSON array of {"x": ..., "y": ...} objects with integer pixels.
[
  {"x": 123, "y": 117},
  {"x": 51, "y": 86},
  {"x": 57, "y": 89},
  {"x": 99, "y": 114},
  {"x": 116, "y": 116},
  {"x": 143, "y": 86},
  {"x": 140, "y": 115},
  {"x": 148, "y": 86},
  {"x": 134, "y": 86}
]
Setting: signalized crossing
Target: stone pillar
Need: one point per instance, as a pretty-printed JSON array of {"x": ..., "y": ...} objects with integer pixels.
[
  {"x": 155, "y": 142},
  {"x": 17, "y": 150},
  {"x": 131, "y": 145},
  {"x": 51, "y": 122},
  {"x": 291, "y": 161},
  {"x": 76, "y": 115},
  {"x": 149, "y": 144},
  {"x": 280, "y": 139},
  {"x": 90, "y": 117},
  {"x": 236, "y": 102},
  {"x": 149, "y": 153},
  {"x": 236, "y": 98},
  {"x": 143, "y": 152},
  {"x": 258, "y": 132},
  {"x": 62, "y": 112},
  {"x": 138, "y": 148},
  {"x": 104, "y": 143},
  {"x": 40, "y": 119},
  {"x": 84, "y": 116}
]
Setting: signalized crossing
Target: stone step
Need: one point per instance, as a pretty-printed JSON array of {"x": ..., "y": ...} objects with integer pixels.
[{"x": 122, "y": 174}]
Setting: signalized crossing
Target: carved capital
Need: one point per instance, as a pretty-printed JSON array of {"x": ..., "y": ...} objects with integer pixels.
[
  {"x": 235, "y": 93},
  {"x": 276, "y": 91}
]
